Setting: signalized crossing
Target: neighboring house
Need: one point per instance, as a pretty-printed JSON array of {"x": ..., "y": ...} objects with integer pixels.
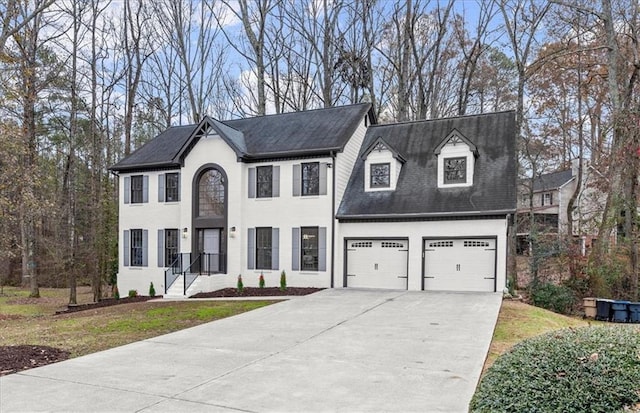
[
  {"x": 547, "y": 197},
  {"x": 323, "y": 195}
]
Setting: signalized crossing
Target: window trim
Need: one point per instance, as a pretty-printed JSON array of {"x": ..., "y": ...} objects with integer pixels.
[
  {"x": 222, "y": 189},
  {"x": 137, "y": 194},
  {"x": 463, "y": 169},
  {"x": 316, "y": 262},
  {"x": 374, "y": 185},
  {"x": 304, "y": 190},
  {"x": 175, "y": 188},
  {"x": 262, "y": 251},
  {"x": 544, "y": 196},
  {"x": 268, "y": 183},
  {"x": 136, "y": 252},
  {"x": 168, "y": 261}
]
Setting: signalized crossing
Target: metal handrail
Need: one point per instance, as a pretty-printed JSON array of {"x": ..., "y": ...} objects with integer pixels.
[{"x": 174, "y": 271}]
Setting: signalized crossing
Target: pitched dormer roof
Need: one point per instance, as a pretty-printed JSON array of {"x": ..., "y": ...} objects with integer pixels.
[
  {"x": 380, "y": 144},
  {"x": 456, "y": 137}
]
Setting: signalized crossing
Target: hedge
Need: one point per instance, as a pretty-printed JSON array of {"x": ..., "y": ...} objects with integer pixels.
[{"x": 588, "y": 369}]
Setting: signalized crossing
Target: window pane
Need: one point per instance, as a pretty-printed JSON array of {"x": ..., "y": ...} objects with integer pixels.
[
  {"x": 264, "y": 176},
  {"x": 455, "y": 170},
  {"x": 171, "y": 187},
  {"x": 309, "y": 248},
  {"x": 380, "y": 175},
  {"x": 136, "y": 247},
  {"x": 310, "y": 178},
  {"x": 170, "y": 246},
  {"x": 263, "y": 248},
  {"x": 136, "y": 189},
  {"x": 211, "y": 194}
]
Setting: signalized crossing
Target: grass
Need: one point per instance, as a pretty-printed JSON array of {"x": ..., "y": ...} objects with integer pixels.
[
  {"x": 25, "y": 320},
  {"x": 518, "y": 321}
]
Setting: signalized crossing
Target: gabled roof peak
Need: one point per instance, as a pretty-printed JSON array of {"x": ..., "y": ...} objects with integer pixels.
[
  {"x": 455, "y": 137},
  {"x": 379, "y": 144}
]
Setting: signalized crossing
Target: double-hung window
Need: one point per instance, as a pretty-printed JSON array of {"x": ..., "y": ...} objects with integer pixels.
[
  {"x": 264, "y": 181},
  {"x": 136, "y": 248},
  {"x": 311, "y": 178},
  {"x": 263, "y": 248},
  {"x": 309, "y": 248},
  {"x": 547, "y": 198},
  {"x": 136, "y": 189},
  {"x": 171, "y": 187},
  {"x": 171, "y": 241}
]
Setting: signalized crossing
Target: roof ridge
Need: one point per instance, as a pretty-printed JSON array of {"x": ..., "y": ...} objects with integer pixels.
[
  {"x": 441, "y": 119},
  {"x": 297, "y": 111}
]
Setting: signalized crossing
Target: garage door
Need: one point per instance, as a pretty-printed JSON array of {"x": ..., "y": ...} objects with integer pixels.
[
  {"x": 460, "y": 264},
  {"x": 377, "y": 263}
]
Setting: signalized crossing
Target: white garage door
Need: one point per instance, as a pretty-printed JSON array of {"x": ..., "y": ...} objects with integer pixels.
[
  {"x": 460, "y": 264},
  {"x": 377, "y": 264}
]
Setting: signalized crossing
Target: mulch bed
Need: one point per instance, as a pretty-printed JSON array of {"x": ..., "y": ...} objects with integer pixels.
[
  {"x": 257, "y": 292},
  {"x": 17, "y": 358},
  {"x": 106, "y": 302}
]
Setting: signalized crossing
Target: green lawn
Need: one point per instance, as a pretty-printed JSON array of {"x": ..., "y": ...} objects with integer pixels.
[
  {"x": 26, "y": 320},
  {"x": 518, "y": 321}
]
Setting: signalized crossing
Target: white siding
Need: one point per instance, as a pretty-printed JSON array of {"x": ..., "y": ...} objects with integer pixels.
[
  {"x": 346, "y": 160},
  {"x": 151, "y": 216},
  {"x": 285, "y": 212}
]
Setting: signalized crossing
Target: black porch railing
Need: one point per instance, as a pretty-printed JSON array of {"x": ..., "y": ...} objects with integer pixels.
[{"x": 203, "y": 264}]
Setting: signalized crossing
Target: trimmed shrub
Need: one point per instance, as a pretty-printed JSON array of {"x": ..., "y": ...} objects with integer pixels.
[
  {"x": 588, "y": 369},
  {"x": 240, "y": 284},
  {"x": 261, "y": 281},
  {"x": 558, "y": 298},
  {"x": 133, "y": 293},
  {"x": 152, "y": 290},
  {"x": 283, "y": 281},
  {"x": 116, "y": 293}
]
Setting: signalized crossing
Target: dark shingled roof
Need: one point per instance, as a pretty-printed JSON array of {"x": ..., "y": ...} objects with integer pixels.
[
  {"x": 311, "y": 132},
  {"x": 417, "y": 193},
  {"x": 554, "y": 180}
]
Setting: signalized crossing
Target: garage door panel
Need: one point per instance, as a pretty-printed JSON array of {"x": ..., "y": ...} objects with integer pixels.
[
  {"x": 377, "y": 264},
  {"x": 460, "y": 264}
]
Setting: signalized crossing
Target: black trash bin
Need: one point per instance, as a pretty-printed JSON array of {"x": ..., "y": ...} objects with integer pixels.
[
  {"x": 634, "y": 312},
  {"x": 603, "y": 309},
  {"x": 620, "y": 311}
]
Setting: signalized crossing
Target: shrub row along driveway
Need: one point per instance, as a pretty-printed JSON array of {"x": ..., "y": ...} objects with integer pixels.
[{"x": 348, "y": 350}]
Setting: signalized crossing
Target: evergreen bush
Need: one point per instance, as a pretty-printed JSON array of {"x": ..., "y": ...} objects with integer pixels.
[
  {"x": 116, "y": 293},
  {"x": 283, "y": 281},
  {"x": 261, "y": 281},
  {"x": 558, "y": 298},
  {"x": 240, "y": 284},
  {"x": 588, "y": 369},
  {"x": 133, "y": 293},
  {"x": 152, "y": 290}
]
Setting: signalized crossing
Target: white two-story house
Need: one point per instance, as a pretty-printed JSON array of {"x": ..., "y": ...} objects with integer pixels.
[{"x": 326, "y": 196}]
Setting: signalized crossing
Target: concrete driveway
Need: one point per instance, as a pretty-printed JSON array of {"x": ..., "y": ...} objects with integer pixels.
[{"x": 337, "y": 350}]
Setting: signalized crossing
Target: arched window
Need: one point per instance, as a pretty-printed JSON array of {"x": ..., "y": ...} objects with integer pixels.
[{"x": 211, "y": 194}]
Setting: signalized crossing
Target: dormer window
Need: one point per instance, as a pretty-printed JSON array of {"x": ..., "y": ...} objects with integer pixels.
[
  {"x": 455, "y": 170},
  {"x": 382, "y": 166},
  {"x": 456, "y": 161},
  {"x": 380, "y": 175}
]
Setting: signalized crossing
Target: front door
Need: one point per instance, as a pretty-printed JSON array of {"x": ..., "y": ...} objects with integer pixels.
[{"x": 209, "y": 249}]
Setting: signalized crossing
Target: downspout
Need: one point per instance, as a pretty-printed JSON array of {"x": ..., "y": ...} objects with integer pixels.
[{"x": 333, "y": 216}]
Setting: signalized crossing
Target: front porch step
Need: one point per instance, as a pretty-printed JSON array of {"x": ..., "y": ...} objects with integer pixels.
[{"x": 177, "y": 288}]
